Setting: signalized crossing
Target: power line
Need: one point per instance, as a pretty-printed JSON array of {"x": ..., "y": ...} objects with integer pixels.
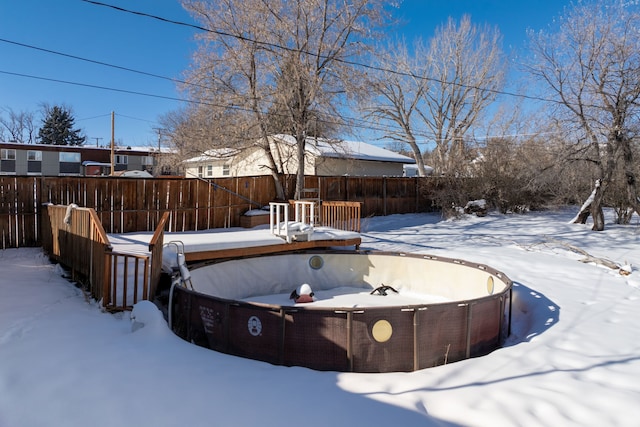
[
  {"x": 343, "y": 61},
  {"x": 105, "y": 64},
  {"x": 136, "y": 118},
  {"x": 132, "y": 92},
  {"x": 349, "y": 122},
  {"x": 94, "y": 117},
  {"x": 117, "y": 67},
  {"x": 342, "y": 120},
  {"x": 90, "y": 60}
]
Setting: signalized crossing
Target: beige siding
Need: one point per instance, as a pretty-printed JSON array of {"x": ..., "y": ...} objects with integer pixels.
[
  {"x": 252, "y": 162},
  {"x": 338, "y": 166},
  {"x": 210, "y": 169}
]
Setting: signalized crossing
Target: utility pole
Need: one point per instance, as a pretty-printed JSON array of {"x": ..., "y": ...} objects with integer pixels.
[
  {"x": 156, "y": 166},
  {"x": 113, "y": 143},
  {"x": 97, "y": 141}
]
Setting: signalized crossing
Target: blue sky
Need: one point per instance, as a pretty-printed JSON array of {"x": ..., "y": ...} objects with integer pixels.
[{"x": 105, "y": 35}]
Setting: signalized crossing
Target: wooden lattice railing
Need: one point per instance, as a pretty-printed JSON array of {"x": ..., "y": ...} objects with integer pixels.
[
  {"x": 155, "y": 248},
  {"x": 341, "y": 215},
  {"x": 74, "y": 237}
]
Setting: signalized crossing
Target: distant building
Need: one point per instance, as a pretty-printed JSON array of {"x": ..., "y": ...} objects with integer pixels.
[
  {"x": 412, "y": 170},
  {"x": 323, "y": 158},
  {"x": 64, "y": 160}
]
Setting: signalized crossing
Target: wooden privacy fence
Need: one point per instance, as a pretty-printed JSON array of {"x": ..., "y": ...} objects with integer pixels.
[
  {"x": 125, "y": 205},
  {"x": 74, "y": 237}
]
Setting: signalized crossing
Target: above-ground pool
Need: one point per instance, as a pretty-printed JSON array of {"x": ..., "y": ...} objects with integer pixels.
[{"x": 436, "y": 311}]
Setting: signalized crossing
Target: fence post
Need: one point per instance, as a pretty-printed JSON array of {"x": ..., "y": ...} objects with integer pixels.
[
  {"x": 346, "y": 187},
  {"x": 384, "y": 195},
  {"x": 415, "y": 186}
]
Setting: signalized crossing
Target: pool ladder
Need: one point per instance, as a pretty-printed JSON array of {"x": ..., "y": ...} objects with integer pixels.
[
  {"x": 181, "y": 272},
  {"x": 181, "y": 276}
]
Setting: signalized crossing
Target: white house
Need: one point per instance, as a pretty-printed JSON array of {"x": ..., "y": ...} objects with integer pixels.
[{"x": 324, "y": 157}]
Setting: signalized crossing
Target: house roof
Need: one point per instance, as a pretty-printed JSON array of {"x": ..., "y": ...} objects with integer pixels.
[
  {"x": 134, "y": 174},
  {"x": 215, "y": 154},
  {"x": 322, "y": 147},
  {"x": 82, "y": 148},
  {"x": 351, "y": 149}
]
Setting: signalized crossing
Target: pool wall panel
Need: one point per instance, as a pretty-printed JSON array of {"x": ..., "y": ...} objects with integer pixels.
[
  {"x": 316, "y": 339},
  {"x": 359, "y": 339}
]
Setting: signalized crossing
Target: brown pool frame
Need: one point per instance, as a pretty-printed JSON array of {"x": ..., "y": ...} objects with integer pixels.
[{"x": 360, "y": 339}]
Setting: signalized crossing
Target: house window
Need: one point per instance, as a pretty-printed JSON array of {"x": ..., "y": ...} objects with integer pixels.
[
  {"x": 225, "y": 170},
  {"x": 66, "y": 157},
  {"x": 200, "y": 168},
  {"x": 69, "y": 163},
  {"x": 34, "y": 156},
  {"x": 34, "y": 162},
  {"x": 209, "y": 170},
  {"x": 122, "y": 159},
  {"x": 7, "y": 154},
  {"x": 8, "y": 160},
  {"x": 147, "y": 160}
]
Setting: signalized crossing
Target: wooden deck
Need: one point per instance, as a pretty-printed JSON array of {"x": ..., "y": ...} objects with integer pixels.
[
  {"x": 340, "y": 227},
  {"x": 216, "y": 254},
  {"x": 235, "y": 243},
  {"x": 121, "y": 269}
]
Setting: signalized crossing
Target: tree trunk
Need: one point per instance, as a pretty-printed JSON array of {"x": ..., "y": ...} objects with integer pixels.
[
  {"x": 592, "y": 206},
  {"x": 273, "y": 168},
  {"x": 278, "y": 185},
  {"x": 582, "y": 217},
  {"x": 632, "y": 190},
  {"x": 632, "y": 193},
  {"x": 300, "y": 145},
  {"x": 417, "y": 154},
  {"x": 597, "y": 213}
]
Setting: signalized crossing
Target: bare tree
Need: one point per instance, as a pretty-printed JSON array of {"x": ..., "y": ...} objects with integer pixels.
[
  {"x": 398, "y": 90},
  {"x": 441, "y": 90},
  {"x": 17, "y": 126},
  {"x": 590, "y": 65},
  {"x": 255, "y": 45},
  {"x": 467, "y": 67}
]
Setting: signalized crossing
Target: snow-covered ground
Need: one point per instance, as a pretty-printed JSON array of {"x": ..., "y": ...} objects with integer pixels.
[{"x": 573, "y": 358}]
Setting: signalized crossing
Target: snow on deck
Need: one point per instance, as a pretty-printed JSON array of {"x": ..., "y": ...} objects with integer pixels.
[{"x": 219, "y": 239}]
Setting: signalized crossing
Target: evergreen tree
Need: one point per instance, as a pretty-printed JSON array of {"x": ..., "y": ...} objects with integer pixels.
[{"x": 57, "y": 128}]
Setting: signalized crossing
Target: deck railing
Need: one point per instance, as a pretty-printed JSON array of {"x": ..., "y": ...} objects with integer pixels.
[
  {"x": 127, "y": 280},
  {"x": 155, "y": 248},
  {"x": 74, "y": 237},
  {"x": 341, "y": 215}
]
